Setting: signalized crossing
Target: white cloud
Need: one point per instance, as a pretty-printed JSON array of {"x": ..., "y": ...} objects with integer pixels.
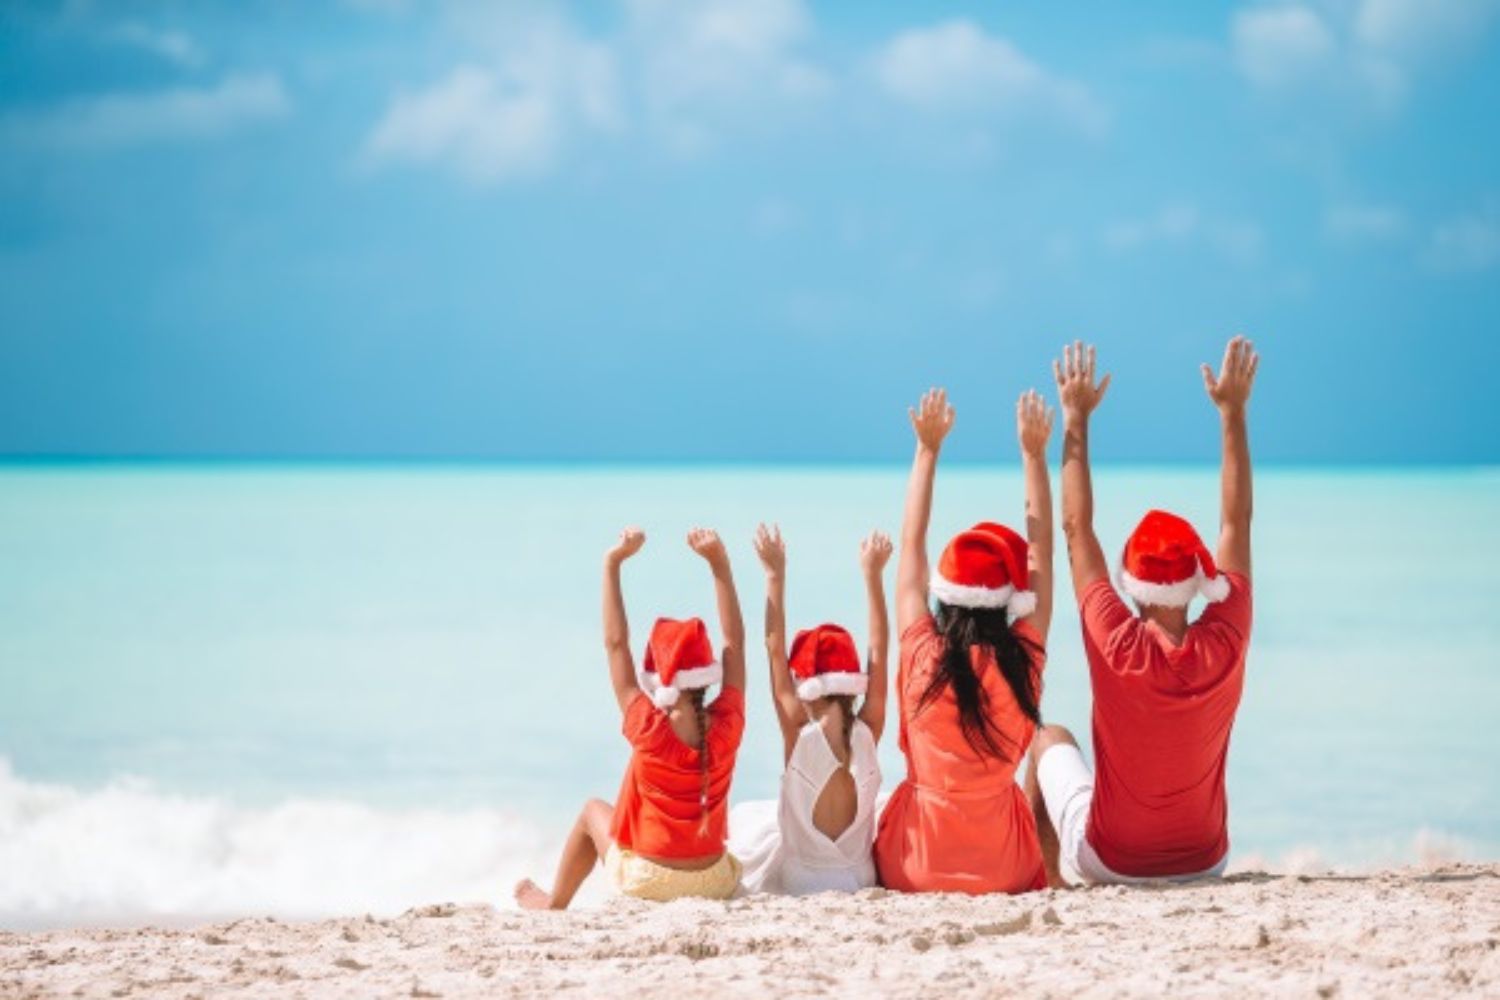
[
  {"x": 1467, "y": 242},
  {"x": 1371, "y": 49},
  {"x": 509, "y": 118},
  {"x": 1172, "y": 224},
  {"x": 956, "y": 66},
  {"x": 1420, "y": 28},
  {"x": 701, "y": 60},
  {"x": 174, "y": 46},
  {"x": 1277, "y": 46},
  {"x": 1356, "y": 223},
  {"x": 1182, "y": 226},
  {"x": 128, "y": 118},
  {"x": 535, "y": 85}
]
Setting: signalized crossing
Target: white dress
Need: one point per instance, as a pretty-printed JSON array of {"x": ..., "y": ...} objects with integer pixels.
[{"x": 780, "y": 848}]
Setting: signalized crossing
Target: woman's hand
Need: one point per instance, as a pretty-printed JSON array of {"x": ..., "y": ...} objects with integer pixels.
[
  {"x": 771, "y": 550},
  {"x": 932, "y": 419},
  {"x": 1076, "y": 391},
  {"x": 705, "y": 542},
  {"x": 1231, "y": 390},
  {"x": 874, "y": 553},
  {"x": 1033, "y": 423},
  {"x": 631, "y": 540}
]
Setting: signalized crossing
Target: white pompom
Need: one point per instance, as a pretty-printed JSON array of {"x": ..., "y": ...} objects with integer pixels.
[
  {"x": 810, "y": 689},
  {"x": 1216, "y": 589},
  {"x": 1021, "y": 604},
  {"x": 665, "y": 697}
]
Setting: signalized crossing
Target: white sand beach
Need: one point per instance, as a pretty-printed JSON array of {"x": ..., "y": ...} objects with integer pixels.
[{"x": 1411, "y": 932}]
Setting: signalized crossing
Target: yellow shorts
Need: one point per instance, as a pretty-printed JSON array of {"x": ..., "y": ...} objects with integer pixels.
[{"x": 642, "y": 878}]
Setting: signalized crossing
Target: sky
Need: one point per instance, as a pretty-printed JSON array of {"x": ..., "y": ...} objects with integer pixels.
[{"x": 715, "y": 230}]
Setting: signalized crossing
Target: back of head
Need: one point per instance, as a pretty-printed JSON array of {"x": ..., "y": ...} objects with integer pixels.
[
  {"x": 679, "y": 657},
  {"x": 825, "y": 664},
  {"x": 980, "y": 587},
  {"x": 1165, "y": 564}
]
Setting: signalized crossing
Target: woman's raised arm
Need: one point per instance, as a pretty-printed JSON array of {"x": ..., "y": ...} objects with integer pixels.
[{"x": 931, "y": 420}]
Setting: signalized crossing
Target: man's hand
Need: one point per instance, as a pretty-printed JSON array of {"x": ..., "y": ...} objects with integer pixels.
[
  {"x": 874, "y": 553},
  {"x": 932, "y": 419},
  {"x": 1033, "y": 423},
  {"x": 1231, "y": 390},
  {"x": 631, "y": 540},
  {"x": 771, "y": 550},
  {"x": 705, "y": 542},
  {"x": 1076, "y": 391}
]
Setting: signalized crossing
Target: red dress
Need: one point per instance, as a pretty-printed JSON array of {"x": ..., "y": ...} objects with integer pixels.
[{"x": 958, "y": 822}]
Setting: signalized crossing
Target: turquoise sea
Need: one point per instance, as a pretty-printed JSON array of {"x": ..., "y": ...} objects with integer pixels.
[{"x": 319, "y": 689}]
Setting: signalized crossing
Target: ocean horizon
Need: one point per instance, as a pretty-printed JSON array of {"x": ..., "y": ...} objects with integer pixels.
[{"x": 309, "y": 688}]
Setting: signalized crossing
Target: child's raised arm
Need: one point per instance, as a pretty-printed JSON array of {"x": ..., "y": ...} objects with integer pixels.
[
  {"x": 616, "y": 626},
  {"x": 1034, "y": 427},
  {"x": 874, "y": 553},
  {"x": 789, "y": 711},
  {"x": 705, "y": 542},
  {"x": 931, "y": 420},
  {"x": 1079, "y": 395},
  {"x": 1230, "y": 392}
]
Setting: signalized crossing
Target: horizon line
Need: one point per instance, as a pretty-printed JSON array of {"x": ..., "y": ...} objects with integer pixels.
[{"x": 17, "y": 462}]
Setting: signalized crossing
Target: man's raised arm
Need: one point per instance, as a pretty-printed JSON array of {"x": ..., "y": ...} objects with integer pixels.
[
  {"x": 1230, "y": 392},
  {"x": 1078, "y": 395}
]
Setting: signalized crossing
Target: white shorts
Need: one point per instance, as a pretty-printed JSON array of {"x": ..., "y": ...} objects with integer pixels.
[{"x": 1068, "y": 789}]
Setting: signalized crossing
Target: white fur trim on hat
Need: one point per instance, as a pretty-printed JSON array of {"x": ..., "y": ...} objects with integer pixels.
[
  {"x": 823, "y": 685},
  {"x": 1216, "y": 589},
  {"x": 665, "y": 695},
  {"x": 1174, "y": 595},
  {"x": 1019, "y": 603}
]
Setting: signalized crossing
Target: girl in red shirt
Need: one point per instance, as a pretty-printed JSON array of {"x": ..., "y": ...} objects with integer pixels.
[{"x": 664, "y": 836}]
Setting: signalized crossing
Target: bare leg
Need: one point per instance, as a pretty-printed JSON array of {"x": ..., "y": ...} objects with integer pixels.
[
  {"x": 1047, "y": 736},
  {"x": 585, "y": 846}
]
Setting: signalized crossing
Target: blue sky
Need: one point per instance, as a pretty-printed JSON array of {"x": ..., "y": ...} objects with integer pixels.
[{"x": 665, "y": 229}]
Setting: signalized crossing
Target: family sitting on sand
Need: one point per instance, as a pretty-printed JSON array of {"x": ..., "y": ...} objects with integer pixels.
[{"x": 969, "y": 690}]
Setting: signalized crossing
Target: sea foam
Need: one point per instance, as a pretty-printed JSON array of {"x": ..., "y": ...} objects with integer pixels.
[{"x": 127, "y": 853}]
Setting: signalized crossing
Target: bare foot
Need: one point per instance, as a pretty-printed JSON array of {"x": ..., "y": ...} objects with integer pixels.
[{"x": 530, "y": 896}]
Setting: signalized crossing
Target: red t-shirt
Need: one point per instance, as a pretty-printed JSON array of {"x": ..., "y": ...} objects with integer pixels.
[
  {"x": 1162, "y": 715},
  {"x": 658, "y": 813}
]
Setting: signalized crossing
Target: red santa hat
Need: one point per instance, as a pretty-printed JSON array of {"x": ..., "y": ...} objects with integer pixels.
[
  {"x": 984, "y": 567},
  {"x": 1165, "y": 563},
  {"x": 679, "y": 658},
  {"x": 825, "y": 662}
]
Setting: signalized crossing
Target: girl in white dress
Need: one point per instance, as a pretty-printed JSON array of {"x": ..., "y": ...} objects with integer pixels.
[{"x": 818, "y": 835}]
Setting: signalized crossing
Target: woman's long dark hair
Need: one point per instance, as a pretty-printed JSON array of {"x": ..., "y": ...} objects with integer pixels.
[{"x": 963, "y": 629}]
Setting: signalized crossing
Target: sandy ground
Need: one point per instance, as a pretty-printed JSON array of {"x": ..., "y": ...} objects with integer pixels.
[{"x": 1409, "y": 933}]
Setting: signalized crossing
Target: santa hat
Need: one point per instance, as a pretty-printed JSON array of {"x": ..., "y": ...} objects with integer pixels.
[
  {"x": 825, "y": 662},
  {"x": 1166, "y": 564},
  {"x": 679, "y": 658},
  {"x": 984, "y": 567}
]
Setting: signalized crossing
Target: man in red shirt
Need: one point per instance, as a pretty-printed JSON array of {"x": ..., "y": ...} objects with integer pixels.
[{"x": 1165, "y": 691}]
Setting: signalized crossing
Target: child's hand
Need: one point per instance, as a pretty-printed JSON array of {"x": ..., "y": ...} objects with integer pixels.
[
  {"x": 1033, "y": 423},
  {"x": 705, "y": 542},
  {"x": 932, "y": 419},
  {"x": 1076, "y": 390},
  {"x": 874, "y": 552},
  {"x": 771, "y": 549},
  {"x": 631, "y": 540},
  {"x": 1231, "y": 390}
]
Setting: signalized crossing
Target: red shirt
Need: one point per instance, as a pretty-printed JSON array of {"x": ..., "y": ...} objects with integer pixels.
[
  {"x": 958, "y": 822},
  {"x": 658, "y": 813},
  {"x": 1162, "y": 715}
]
